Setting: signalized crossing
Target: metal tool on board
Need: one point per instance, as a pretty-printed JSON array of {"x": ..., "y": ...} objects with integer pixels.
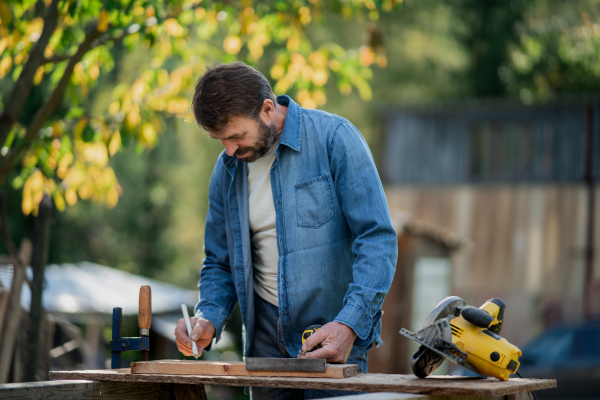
[
  {"x": 289, "y": 364},
  {"x": 120, "y": 344},
  {"x": 467, "y": 336}
]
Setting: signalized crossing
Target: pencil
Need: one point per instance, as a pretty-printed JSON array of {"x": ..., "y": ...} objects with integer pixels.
[{"x": 186, "y": 316}]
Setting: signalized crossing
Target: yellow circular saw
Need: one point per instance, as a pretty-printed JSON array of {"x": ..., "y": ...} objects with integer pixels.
[{"x": 467, "y": 336}]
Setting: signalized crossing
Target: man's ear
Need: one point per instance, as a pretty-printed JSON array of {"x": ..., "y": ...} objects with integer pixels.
[{"x": 268, "y": 110}]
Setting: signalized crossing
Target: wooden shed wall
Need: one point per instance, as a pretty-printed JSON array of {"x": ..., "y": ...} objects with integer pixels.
[{"x": 524, "y": 244}]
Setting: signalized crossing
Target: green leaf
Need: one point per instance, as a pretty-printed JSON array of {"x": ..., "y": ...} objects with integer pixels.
[
  {"x": 75, "y": 113},
  {"x": 88, "y": 134}
]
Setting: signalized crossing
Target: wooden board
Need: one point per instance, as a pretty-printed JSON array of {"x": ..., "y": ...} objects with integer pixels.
[
  {"x": 438, "y": 385},
  {"x": 233, "y": 368},
  {"x": 83, "y": 389}
]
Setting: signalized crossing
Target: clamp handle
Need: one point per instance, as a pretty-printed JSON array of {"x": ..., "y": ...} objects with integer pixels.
[
  {"x": 145, "y": 315},
  {"x": 145, "y": 310}
]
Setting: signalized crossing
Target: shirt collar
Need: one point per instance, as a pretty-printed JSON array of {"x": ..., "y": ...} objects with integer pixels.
[{"x": 290, "y": 136}]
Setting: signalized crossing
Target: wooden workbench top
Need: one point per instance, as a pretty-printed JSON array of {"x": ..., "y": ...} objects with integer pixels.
[{"x": 433, "y": 385}]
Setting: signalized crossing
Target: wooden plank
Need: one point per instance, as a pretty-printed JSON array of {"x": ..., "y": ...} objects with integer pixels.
[
  {"x": 433, "y": 385},
  {"x": 105, "y": 390},
  {"x": 233, "y": 368},
  {"x": 384, "y": 396}
]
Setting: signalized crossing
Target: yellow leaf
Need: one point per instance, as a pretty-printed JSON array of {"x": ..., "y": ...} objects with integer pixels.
[
  {"x": 172, "y": 27},
  {"x": 177, "y": 106},
  {"x": 345, "y": 88},
  {"x": 115, "y": 143},
  {"x": 71, "y": 196},
  {"x": 317, "y": 60},
  {"x": 381, "y": 61},
  {"x": 79, "y": 128},
  {"x": 33, "y": 192},
  {"x": 95, "y": 153},
  {"x": 5, "y": 66},
  {"x": 232, "y": 44},
  {"x": 277, "y": 72},
  {"x": 147, "y": 134},
  {"x": 304, "y": 15},
  {"x": 137, "y": 90},
  {"x": 94, "y": 71},
  {"x": 86, "y": 190},
  {"x": 39, "y": 74},
  {"x": 162, "y": 77},
  {"x": 59, "y": 201},
  {"x": 49, "y": 52},
  {"x": 133, "y": 118},
  {"x": 200, "y": 13},
  {"x": 112, "y": 197},
  {"x": 307, "y": 72},
  {"x": 4, "y": 43},
  {"x": 103, "y": 21},
  {"x": 367, "y": 55},
  {"x": 27, "y": 204},
  {"x": 320, "y": 77},
  {"x": 114, "y": 107},
  {"x": 63, "y": 165},
  {"x": 293, "y": 43}
]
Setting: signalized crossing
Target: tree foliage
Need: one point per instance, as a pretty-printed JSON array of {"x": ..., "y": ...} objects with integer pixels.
[
  {"x": 56, "y": 52},
  {"x": 556, "y": 53}
]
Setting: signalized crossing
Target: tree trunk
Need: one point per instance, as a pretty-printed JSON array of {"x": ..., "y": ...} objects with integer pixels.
[{"x": 38, "y": 265}]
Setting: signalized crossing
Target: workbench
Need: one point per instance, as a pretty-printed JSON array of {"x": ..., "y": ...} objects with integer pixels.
[{"x": 149, "y": 386}]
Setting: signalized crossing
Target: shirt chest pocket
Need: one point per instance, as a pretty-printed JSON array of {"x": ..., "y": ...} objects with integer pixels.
[{"x": 314, "y": 202}]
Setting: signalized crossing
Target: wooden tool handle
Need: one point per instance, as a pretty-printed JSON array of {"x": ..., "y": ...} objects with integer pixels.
[{"x": 145, "y": 309}]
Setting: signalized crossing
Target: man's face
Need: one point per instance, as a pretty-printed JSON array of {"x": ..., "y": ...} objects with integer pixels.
[{"x": 246, "y": 138}]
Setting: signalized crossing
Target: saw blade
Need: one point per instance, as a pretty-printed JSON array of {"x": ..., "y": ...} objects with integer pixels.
[
  {"x": 425, "y": 361},
  {"x": 446, "y": 307}
]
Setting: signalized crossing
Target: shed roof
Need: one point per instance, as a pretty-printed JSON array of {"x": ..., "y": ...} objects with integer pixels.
[{"x": 85, "y": 287}]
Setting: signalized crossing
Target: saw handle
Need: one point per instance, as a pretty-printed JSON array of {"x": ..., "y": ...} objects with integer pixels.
[
  {"x": 477, "y": 316},
  {"x": 501, "y": 306}
]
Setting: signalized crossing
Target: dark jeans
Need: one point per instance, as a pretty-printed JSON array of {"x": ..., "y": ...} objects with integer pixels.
[{"x": 268, "y": 342}]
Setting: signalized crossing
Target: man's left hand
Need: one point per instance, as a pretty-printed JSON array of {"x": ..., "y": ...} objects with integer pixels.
[{"x": 336, "y": 340}]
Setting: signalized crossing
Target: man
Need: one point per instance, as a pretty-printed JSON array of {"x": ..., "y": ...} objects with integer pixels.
[{"x": 298, "y": 230}]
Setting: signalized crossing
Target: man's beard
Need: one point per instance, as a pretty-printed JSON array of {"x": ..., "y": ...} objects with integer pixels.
[{"x": 267, "y": 134}]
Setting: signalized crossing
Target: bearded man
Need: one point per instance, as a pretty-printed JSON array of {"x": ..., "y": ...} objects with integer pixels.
[{"x": 298, "y": 230}]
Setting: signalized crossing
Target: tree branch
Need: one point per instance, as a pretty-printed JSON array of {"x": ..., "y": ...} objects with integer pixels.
[
  {"x": 16, "y": 99},
  {"x": 126, "y": 31},
  {"x": 16, "y": 154}
]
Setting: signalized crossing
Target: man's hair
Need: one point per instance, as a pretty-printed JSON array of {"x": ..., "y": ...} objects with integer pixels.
[{"x": 229, "y": 90}]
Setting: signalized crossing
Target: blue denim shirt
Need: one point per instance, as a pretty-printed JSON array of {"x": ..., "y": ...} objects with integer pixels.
[{"x": 337, "y": 248}]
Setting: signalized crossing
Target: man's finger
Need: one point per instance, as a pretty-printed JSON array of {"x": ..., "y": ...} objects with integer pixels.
[{"x": 313, "y": 340}]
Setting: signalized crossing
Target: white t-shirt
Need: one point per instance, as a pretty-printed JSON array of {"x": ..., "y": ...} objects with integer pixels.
[{"x": 262, "y": 227}]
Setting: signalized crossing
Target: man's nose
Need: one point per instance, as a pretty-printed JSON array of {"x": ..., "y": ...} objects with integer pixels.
[{"x": 230, "y": 148}]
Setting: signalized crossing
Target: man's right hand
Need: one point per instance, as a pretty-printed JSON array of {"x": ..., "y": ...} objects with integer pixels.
[{"x": 203, "y": 332}]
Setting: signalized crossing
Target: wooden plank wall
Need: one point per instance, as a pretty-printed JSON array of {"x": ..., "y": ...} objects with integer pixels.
[{"x": 524, "y": 244}]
